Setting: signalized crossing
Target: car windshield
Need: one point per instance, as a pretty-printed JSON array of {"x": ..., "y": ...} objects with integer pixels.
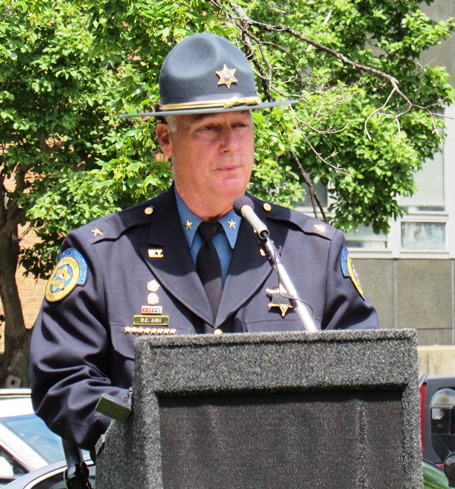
[{"x": 34, "y": 432}]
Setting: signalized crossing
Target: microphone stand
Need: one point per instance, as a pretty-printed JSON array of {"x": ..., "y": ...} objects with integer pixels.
[{"x": 297, "y": 304}]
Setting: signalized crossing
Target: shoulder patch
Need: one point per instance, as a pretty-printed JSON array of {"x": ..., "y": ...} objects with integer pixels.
[
  {"x": 349, "y": 271},
  {"x": 71, "y": 270}
]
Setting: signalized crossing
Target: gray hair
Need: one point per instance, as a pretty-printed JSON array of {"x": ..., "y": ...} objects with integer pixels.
[{"x": 171, "y": 121}]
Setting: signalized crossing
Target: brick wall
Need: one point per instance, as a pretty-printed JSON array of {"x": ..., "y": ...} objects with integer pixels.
[{"x": 31, "y": 292}]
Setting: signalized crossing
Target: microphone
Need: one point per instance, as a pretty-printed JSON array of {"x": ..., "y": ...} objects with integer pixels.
[{"x": 243, "y": 206}]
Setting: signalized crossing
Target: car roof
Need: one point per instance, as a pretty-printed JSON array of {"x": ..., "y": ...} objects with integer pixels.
[
  {"x": 14, "y": 393},
  {"x": 15, "y": 402},
  {"x": 23, "y": 435}
]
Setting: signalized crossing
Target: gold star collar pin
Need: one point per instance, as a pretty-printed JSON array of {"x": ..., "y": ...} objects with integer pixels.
[
  {"x": 97, "y": 232},
  {"x": 227, "y": 76},
  {"x": 232, "y": 224},
  {"x": 188, "y": 225}
]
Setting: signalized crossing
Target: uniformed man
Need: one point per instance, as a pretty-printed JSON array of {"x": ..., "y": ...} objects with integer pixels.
[{"x": 139, "y": 271}]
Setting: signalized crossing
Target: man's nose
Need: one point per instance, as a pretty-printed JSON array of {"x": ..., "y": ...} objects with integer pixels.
[{"x": 228, "y": 139}]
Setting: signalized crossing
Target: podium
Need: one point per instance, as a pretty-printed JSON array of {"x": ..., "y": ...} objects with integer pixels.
[{"x": 332, "y": 409}]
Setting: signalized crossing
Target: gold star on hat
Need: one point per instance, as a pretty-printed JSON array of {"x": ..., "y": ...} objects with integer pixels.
[{"x": 227, "y": 76}]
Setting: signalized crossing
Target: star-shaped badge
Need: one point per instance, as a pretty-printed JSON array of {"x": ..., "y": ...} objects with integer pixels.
[
  {"x": 97, "y": 232},
  {"x": 278, "y": 300},
  {"x": 232, "y": 224},
  {"x": 227, "y": 76},
  {"x": 188, "y": 225}
]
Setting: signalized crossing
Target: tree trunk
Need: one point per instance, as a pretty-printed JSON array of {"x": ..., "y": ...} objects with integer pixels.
[{"x": 14, "y": 363}]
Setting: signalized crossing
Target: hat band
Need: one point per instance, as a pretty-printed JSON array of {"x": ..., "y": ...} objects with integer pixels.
[{"x": 210, "y": 103}]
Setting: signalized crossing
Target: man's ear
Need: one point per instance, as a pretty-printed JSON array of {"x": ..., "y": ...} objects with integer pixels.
[{"x": 163, "y": 134}]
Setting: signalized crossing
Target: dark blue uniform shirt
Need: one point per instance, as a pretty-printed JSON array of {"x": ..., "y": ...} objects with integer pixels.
[{"x": 132, "y": 273}]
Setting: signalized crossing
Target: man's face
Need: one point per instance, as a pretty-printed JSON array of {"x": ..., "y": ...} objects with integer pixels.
[{"x": 212, "y": 156}]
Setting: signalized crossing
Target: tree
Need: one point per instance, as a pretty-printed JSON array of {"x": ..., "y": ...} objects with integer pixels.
[
  {"x": 53, "y": 99},
  {"x": 369, "y": 113}
]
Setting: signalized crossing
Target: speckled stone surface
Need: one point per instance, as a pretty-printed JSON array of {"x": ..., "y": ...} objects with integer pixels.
[{"x": 287, "y": 410}]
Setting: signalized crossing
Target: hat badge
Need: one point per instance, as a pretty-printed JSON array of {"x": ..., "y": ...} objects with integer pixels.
[{"x": 227, "y": 76}]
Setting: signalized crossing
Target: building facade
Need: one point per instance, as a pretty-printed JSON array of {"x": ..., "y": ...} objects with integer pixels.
[{"x": 410, "y": 274}]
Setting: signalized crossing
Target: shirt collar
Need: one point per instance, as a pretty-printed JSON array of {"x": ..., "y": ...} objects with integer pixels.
[{"x": 230, "y": 222}]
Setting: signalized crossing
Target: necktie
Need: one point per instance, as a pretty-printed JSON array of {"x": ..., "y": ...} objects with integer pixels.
[{"x": 208, "y": 263}]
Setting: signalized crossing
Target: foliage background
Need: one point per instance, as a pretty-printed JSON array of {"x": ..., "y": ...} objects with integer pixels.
[{"x": 368, "y": 117}]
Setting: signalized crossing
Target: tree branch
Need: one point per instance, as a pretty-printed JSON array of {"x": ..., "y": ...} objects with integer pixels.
[
  {"x": 315, "y": 202},
  {"x": 239, "y": 18}
]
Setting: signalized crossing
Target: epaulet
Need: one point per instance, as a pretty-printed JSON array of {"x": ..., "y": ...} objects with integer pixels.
[
  {"x": 112, "y": 226},
  {"x": 309, "y": 225},
  {"x": 315, "y": 226}
]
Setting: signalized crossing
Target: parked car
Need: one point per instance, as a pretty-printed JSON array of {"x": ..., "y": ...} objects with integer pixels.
[
  {"x": 434, "y": 477},
  {"x": 50, "y": 477},
  {"x": 26, "y": 443},
  {"x": 429, "y": 385}
]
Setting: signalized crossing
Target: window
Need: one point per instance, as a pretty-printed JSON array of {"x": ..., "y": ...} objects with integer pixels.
[
  {"x": 422, "y": 229},
  {"x": 365, "y": 238},
  {"x": 430, "y": 184},
  {"x": 423, "y": 235},
  {"x": 424, "y": 226}
]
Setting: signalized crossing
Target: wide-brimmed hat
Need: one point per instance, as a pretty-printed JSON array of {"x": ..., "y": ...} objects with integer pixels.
[{"x": 206, "y": 73}]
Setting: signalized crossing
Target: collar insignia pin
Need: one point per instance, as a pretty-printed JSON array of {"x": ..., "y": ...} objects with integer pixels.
[
  {"x": 97, "y": 232},
  {"x": 188, "y": 225},
  {"x": 227, "y": 76},
  {"x": 232, "y": 224}
]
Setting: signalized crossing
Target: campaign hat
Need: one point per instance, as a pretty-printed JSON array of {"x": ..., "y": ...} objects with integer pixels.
[{"x": 206, "y": 73}]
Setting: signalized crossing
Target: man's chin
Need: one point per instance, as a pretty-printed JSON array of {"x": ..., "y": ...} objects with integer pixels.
[{"x": 232, "y": 187}]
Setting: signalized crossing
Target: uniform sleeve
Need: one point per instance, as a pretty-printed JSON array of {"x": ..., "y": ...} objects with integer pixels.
[
  {"x": 70, "y": 348},
  {"x": 346, "y": 306}
]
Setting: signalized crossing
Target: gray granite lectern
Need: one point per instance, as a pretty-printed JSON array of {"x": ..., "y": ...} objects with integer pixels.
[{"x": 335, "y": 409}]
